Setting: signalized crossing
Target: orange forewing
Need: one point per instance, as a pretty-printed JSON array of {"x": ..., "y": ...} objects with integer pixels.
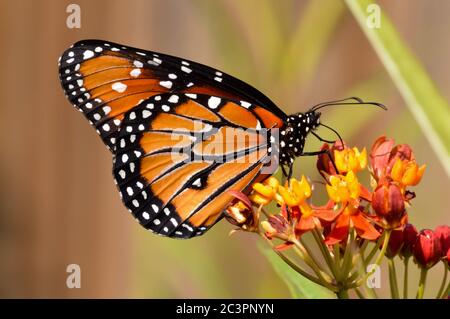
[{"x": 238, "y": 115}]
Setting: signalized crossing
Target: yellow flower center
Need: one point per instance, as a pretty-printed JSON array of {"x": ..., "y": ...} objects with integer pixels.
[
  {"x": 350, "y": 159},
  {"x": 295, "y": 193},
  {"x": 344, "y": 188}
]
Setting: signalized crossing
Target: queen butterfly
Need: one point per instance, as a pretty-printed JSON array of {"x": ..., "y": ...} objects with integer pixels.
[{"x": 166, "y": 122}]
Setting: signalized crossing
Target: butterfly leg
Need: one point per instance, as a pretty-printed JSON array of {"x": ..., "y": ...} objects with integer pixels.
[{"x": 322, "y": 139}]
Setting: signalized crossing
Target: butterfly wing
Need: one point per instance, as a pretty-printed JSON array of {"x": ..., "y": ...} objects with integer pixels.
[
  {"x": 104, "y": 80},
  {"x": 178, "y": 155}
]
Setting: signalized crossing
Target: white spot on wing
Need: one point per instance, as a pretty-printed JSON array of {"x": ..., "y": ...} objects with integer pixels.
[
  {"x": 166, "y": 84},
  {"x": 191, "y": 95},
  {"x": 119, "y": 87},
  {"x": 214, "y": 101},
  {"x": 135, "y": 73},
  {"x": 245, "y": 104},
  {"x": 185, "y": 69},
  {"x": 138, "y": 64},
  {"x": 88, "y": 54},
  {"x": 173, "y": 99}
]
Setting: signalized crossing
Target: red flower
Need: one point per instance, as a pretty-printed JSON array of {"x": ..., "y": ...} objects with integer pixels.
[
  {"x": 380, "y": 155},
  {"x": 324, "y": 163},
  {"x": 427, "y": 249},
  {"x": 389, "y": 205},
  {"x": 448, "y": 257},
  {"x": 443, "y": 233},
  {"x": 395, "y": 243},
  {"x": 409, "y": 239}
]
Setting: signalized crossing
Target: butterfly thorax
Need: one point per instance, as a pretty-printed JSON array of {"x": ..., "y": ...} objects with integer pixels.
[{"x": 294, "y": 133}]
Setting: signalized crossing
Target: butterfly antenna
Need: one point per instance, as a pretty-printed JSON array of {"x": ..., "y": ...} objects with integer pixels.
[{"x": 348, "y": 101}]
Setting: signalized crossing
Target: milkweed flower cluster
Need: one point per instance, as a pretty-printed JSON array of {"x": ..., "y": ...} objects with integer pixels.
[{"x": 358, "y": 225}]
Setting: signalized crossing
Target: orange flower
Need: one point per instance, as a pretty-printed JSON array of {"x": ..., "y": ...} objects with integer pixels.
[
  {"x": 312, "y": 217},
  {"x": 407, "y": 173},
  {"x": 395, "y": 163},
  {"x": 343, "y": 189},
  {"x": 350, "y": 159},
  {"x": 347, "y": 191},
  {"x": 295, "y": 193},
  {"x": 351, "y": 216}
]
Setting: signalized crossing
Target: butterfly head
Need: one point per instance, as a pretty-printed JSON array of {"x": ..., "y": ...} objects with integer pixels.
[{"x": 293, "y": 136}]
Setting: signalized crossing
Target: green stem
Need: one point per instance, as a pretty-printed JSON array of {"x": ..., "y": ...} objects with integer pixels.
[
  {"x": 297, "y": 268},
  {"x": 347, "y": 262},
  {"x": 444, "y": 280},
  {"x": 342, "y": 294},
  {"x": 446, "y": 292},
  {"x": 311, "y": 255},
  {"x": 337, "y": 258},
  {"x": 359, "y": 294},
  {"x": 372, "y": 252},
  {"x": 384, "y": 248},
  {"x": 405, "y": 278},
  {"x": 387, "y": 235},
  {"x": 325, "y": 251},
  {"x": 362, "y": 271},
  {"x": 362, "y": 249},
  {"x": 303, "y": 254},
  {"x": 393, "y": 279},
  {"x": 423, "y": 279}
]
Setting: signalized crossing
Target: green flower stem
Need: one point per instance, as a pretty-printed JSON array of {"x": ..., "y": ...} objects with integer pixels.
[
  {"x": 362, "y": 271},
  {"x": 446, "y": 292},
  {"x": 422, "y": 281},
  {"x": 362, "y": 248},
  {"x": 325, "y": 252},
  {"x": 386, "y": 235},
  {"x": 342, "y": 280},
  {"x": 347, "y": 262},
  {"x": 297, "y": 268},
  {"x": 359, "y": 293},
  {"x": 444, "y": 280},
  {"x": 393, "y": 279},
  {"x": 337, "y": 258},
  {"x": 342, "y": 294},
  {"x": 311, "y": 255},
  {"x": 372, "y": 252},
  {"x": 303, "y": 254},
  {"x": 405, "y": 278}
]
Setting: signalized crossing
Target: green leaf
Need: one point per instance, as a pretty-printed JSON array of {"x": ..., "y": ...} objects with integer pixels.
[
  {"x": 299, "y": 286},
  {"x": 427, "y": 105}
]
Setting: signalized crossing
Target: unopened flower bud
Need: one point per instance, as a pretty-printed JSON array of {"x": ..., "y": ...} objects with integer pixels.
[{"x": 427, "y": 249}]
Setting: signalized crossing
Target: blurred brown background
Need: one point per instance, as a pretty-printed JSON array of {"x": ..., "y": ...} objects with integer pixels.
[{"x": 58, "y": 202}]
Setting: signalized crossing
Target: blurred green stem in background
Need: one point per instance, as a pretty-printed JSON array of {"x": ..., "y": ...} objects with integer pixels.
[
  {"x": 426, "y": 104},
  {"x": 308, "y": 43}
]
